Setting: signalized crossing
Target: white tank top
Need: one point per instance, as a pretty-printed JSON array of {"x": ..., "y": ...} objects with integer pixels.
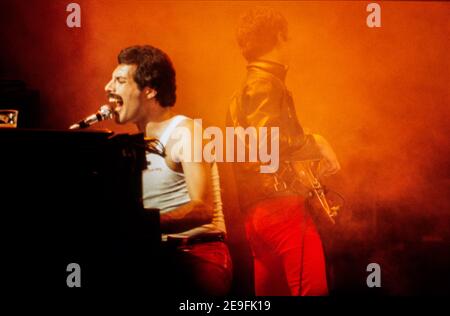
[{"x": 166, "y": 189}]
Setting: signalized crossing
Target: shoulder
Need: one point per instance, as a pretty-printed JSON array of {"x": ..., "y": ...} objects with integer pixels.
[
  {"x": 260, "y": 81},
  {"x": 186, "y": 128},
  {"x": 186, "y": 122},
  {"x": 262, "y": 86}
]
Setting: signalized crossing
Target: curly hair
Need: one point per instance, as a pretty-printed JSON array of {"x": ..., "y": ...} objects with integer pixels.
[
  {"x": 154, "y": 70},
  {"x": 258, "y": 31}
]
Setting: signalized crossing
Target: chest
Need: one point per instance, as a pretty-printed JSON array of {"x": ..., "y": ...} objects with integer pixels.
[{"x": 156, "y": 162}]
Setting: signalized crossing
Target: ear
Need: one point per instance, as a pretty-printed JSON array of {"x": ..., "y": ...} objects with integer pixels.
[{"x": 150, "y": 93}]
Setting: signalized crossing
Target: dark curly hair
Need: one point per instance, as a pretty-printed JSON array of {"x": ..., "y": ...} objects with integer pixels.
[
  {"x": 258, "y": 31},
  {"x": 154, "y": 70}
]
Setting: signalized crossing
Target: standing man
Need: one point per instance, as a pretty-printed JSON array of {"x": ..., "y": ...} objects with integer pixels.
[
  {"x": 286, "y": 247},
  {"x": 187, "y": 193}
]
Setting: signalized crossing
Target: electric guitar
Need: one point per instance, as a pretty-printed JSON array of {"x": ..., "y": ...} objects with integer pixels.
[{"x": 320, "y": 201}]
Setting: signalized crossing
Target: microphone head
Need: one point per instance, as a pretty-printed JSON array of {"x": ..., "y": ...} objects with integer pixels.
[{"x": 106, "y": 112}]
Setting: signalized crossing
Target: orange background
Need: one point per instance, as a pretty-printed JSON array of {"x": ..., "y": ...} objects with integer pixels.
[{"x": 379, "y": 95}]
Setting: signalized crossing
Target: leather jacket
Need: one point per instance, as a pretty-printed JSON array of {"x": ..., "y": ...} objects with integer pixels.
[{"x": 264, "y": 100}]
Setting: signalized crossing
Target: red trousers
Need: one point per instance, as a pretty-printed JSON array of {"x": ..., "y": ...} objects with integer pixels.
[
  {"x": 286, "y": 247},
  {"x": 199, "y": 269}
]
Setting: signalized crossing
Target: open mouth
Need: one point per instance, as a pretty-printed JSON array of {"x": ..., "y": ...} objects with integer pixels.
[{"x": 116, "y": 101}]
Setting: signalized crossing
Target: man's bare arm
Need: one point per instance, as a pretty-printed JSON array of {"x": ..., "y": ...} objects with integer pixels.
[
  {"x": 329, "y": 164},
  {"x": 200, "y": 209}
]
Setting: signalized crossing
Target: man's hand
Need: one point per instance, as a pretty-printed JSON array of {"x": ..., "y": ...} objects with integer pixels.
[{"x": 329, "y": 164}]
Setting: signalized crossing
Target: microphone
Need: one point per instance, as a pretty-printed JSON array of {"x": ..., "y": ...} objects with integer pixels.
[{"x": 105, "y": 113}]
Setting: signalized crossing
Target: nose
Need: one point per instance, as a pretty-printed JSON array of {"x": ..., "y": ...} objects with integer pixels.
[{"x": 109, "y": 86}]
